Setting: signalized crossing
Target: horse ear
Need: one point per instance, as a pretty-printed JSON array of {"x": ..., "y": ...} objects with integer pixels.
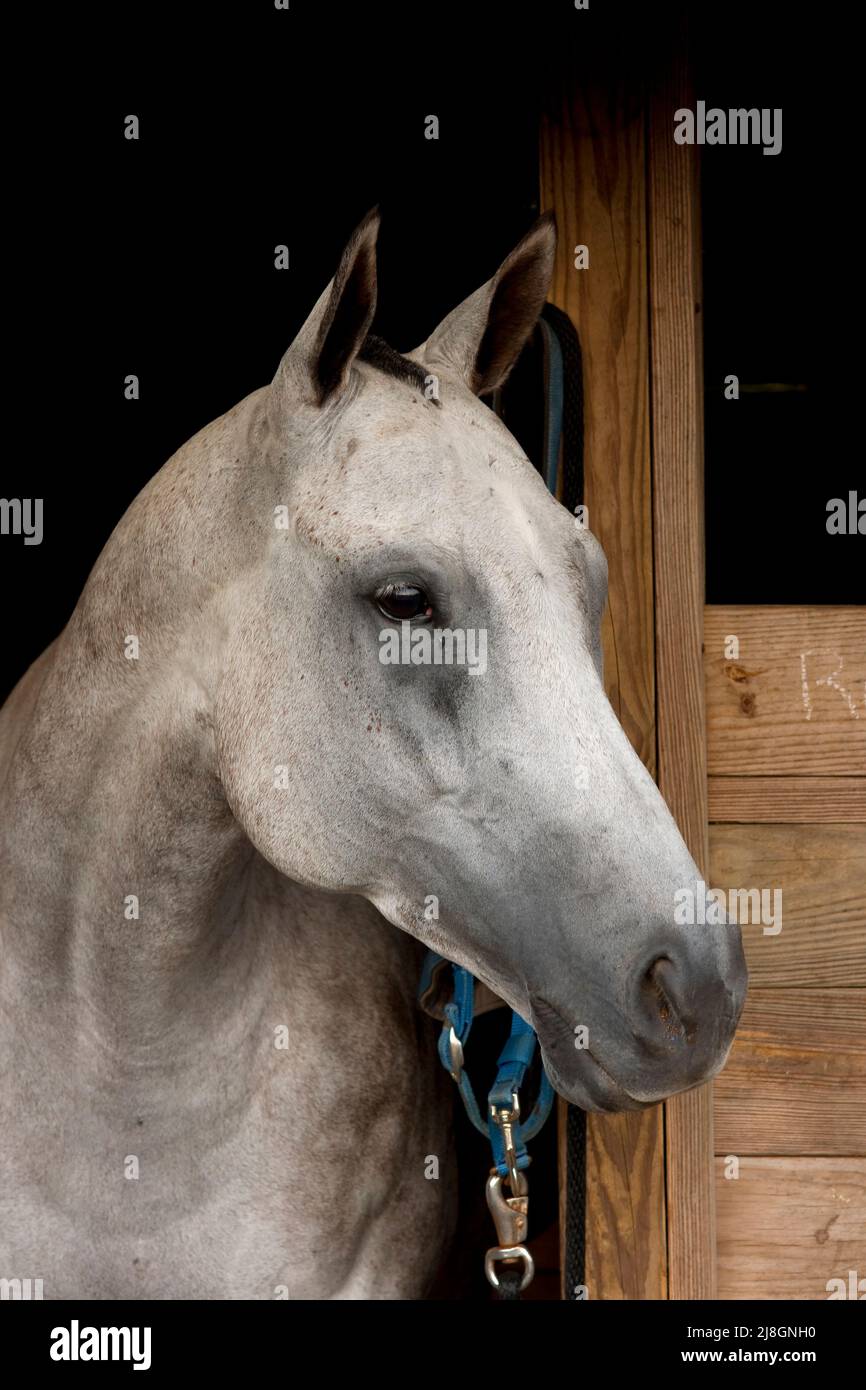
[
  {"x": 324, "y": 350},
  {"x": 481, "y": 339}
]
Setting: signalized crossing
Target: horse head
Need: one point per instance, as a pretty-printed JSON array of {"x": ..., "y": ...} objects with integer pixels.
[{"x": 411, "y": 705}]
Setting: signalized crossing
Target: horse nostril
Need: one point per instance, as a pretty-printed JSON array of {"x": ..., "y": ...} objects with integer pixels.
[
  {"x": 681, "y": 1004},
  {"x": 658, "y": 991}
]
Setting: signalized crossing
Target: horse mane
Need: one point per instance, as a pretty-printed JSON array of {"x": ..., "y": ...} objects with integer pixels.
[{"x": 381, "y": 355}]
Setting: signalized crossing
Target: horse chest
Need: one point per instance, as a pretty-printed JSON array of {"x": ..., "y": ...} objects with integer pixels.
[{"x": 321, "y": 1169}]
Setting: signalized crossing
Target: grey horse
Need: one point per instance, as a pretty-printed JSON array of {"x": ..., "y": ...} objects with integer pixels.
[{"x": 230, "y": 828}]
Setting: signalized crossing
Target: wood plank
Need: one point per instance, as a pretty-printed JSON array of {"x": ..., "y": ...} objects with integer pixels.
[
  {"x": 788, "y": 1225},
  {"x": 592, "y": 173},
  {"x": 678, "y": 520},
  {"x": 787, "y": 800},
  {"x": 691, "y": 1210},
  {"x": 625, "y": 1233},
  {"x": 626, "y": 1254},
  {"x": 793, "y": 701},
  {"x": 821, "y": 871},
  {"x": 795, "y": 1082}
]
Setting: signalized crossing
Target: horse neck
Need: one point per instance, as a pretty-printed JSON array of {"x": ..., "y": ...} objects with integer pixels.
[{"x": 112, "y": 804}]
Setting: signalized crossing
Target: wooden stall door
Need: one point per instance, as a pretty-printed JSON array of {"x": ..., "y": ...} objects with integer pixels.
[
  {"x": 786, "y": 720},
  {"x": 767, "y": 747}
]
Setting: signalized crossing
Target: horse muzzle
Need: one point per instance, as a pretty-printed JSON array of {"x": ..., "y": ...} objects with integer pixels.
[{"x": 670, "y": 1030}]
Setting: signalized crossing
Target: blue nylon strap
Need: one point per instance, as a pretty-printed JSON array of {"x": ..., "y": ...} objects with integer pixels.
[
  {"x": 512, "y": 1064},
  {"x": 458, "y": 1015},
  {"x": 555, "y": 382},
  {"x": 429, "y": 970}
]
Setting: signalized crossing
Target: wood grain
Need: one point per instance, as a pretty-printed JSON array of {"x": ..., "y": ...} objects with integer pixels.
[
  {"x": 691, "y": 1211},
  {"x": 821, "y": 871},
  {"x": 795, "y": 1082},
  {"x": 788, "y": 1225},
  {"x": 626, "y": 1251},
  {"x": 787, "y": 800},
  {"x": 793, "y": 702},
  {"x": 678, "y": 521},
  {"x": 592, "y": 173}
]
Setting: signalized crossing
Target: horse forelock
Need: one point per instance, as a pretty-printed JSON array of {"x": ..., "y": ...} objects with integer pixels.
[{"x": 381, "y": 355}]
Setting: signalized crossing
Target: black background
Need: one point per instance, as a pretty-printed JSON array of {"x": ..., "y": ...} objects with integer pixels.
[{"x": 781, "y": 278}]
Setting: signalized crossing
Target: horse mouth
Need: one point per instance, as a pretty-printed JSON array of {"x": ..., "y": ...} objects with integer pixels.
[
  {"x": 584, "y": 1081},
  {"x": 590, "y": 1086}
]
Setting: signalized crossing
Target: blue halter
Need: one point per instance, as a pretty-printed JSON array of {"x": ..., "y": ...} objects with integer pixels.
[{"x": 508, "y": 1135}]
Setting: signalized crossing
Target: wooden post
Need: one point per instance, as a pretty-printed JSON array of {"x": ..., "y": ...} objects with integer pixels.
[
  {"x": 592, "y": 164},
  {"x": 678, "y": 514}
]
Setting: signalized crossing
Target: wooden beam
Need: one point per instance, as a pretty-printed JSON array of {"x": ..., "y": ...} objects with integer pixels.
[
  {"x": 795, "y": 1082},
  {"x": 625, "y": 1228},
  {"x": 792, "y": 702},
  {"x": 820, "y": 872},
  {"x": 677, "y": 452},
  {"x": 592, "y": 163},
  {"x": 787, "y": 800},
  {"x": 789, "y": 1225},
  {"x": 592, "y": 175}
]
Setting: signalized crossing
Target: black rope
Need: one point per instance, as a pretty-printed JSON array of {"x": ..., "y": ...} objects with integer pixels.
[
  {"x": 575, "y": 1201},
  {"x": 509, "y": 1283}
]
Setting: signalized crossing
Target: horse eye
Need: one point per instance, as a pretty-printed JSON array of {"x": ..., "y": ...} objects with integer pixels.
[{"x": 403, "y": 603}]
